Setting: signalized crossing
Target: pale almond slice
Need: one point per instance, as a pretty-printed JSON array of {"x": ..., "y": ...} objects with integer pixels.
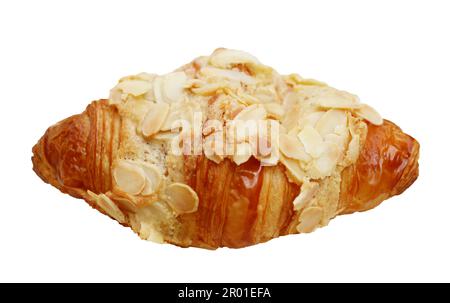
[
  {"x": 108, "y": 206},
  {"x": 178, "y": 111},
  {"x": 370, "y": 114},
  {"x": 296, "y": 79},
  {"x": 274, "y": 110},
  {"x": 326, "y": 163},
  {"x": 182, "y": 198},
  {"x": 310, "y": 119},
  {"x": 225, "y": 58},
  {"x": 307, "y": 193},
  {"x": 154, "y": 119},
  {"x": 208, "y": 89},
  {"x": 312, "y": 141},
  {"x": 227, "y": 74},
  {"x": 165, "y": 136},
  {"x": 310, "y": 219},
  {"x": 148, "y": 232},
  {"x": 173, "y": 86},
  {"x": 158, "y": 89},
  {"x": 292, "y": 117},
  {"x": 134, "y": 87},
  {"x": 129, "y": 177},
  {"x": 243, "y": 153},
  {"x": 291, "y": 147},
  {"x": 339, "y": 100},
  {"x": 339, "y": 140},
  {"x": 332, "y": 119},
  {"x": 153, "y": 178},
  {"x": 253, "y": 112},
  {"x": 353, "y": 148},
  {"x": 146, "y": 76},
  {"x": 294, "y": 171}
]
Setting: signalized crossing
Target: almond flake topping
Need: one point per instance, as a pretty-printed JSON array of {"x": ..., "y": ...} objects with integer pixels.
[
  {"x": 291, "y": 147},
  {"x": 227, "y": 74},
  {"x": 370, "y": 114},
  {"x": 182, "y": 198},
  {"x": 274, "y": 110},
  {"x": 154, "y": 119},
  {"x": 332, "y": 119},
  {"x": 129, "y": 177},
  {"x": 312, "y": 141},
  {"x": 253, "y": 112},
  {"x": 152, "y": 177},
  {"x": 134, "y": 87},
  {"x": 174, "y": 86},
  {"x": 225, "y": 58}
]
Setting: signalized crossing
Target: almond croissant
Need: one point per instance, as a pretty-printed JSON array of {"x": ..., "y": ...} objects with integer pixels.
[{"x": 166, "y": 155}]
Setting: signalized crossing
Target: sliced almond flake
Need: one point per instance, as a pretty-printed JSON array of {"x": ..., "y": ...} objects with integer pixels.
[
  {"x": 153, "y": 178},
  {"x": 266, "y": 94},
  {"x": 246, "y": 98},
  {"x": 339, "y": 140},
  {"x": 165, "y": 136},
  {"x": 370, "y": 114},
  {"x": 353, "y": 148},
  {"x": 154, "y": 118},
  {"x": 312, "y": 141},
  {"x": 253, "y": 112},
  {"x": 291, "y": 147},
  {"x": 327, "y": 162},
  {"x": 124, "y": 201},
  {"x": 274, "y": 110},
  {"x": 115, "y": 96},
  {"x": 310, "y": 219},
  {"x": 311, "y": 119},
  {"x": 208, "y": 89},
  {"x": 134, "y": 87},
  {"x": 296, "y": 79},
  {"x": 129, "y": 177},
  {"x": 292, "y": 117},
  {"x": 332, "y": 119},
  {"x": 182, "y": 198},
  {"x": 177, "y": 112},
  {"x": 148, "y": 232},
  {"x": 293, "y": 170},
  {"x": 173, "y": 85},
  {"x": 307, "y": 193},
  {"x": 158, "y": 89},
  {"x": 227, "y": 74},
  {"x": 107, "y": 205},
  {"x": 243, "y": 153},
  {"x": 146, "y": 76},
  {"x": 339, "y": 100},
  {"x": 225, "y": 58}
]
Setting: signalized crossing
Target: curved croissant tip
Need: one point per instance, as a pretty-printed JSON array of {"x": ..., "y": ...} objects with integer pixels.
[
  {"x": 59, "y": 155},
  {"x": 411, "y": 172}
]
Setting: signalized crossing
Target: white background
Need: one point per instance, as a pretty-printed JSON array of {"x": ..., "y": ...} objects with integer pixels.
[{"x": 57, "y": 56}]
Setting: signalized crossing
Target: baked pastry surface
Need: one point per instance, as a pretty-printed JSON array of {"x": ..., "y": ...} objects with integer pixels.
[{"x": 227, "y": 152}]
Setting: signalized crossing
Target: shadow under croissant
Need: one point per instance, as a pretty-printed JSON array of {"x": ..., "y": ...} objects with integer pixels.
[{"x": 238, "y": 205}]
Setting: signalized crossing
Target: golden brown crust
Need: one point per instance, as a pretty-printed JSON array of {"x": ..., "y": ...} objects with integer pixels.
[
  {"x": 387, "y": 165},
  {"x": 75, "y": 154},
  {"x": 239, "y": 205}
]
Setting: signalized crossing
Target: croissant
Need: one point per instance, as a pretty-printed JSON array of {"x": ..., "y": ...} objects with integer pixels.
[{"x": 226, "y": 152}]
